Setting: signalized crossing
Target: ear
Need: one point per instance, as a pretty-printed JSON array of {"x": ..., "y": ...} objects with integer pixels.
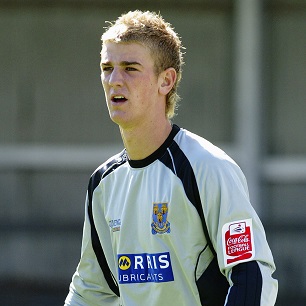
[{"x": 167, "y": 80}]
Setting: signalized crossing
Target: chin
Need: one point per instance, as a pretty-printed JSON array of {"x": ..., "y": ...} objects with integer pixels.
[{"x": 120, "y": 120}]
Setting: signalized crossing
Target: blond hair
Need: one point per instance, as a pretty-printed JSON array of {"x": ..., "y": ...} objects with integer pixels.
[{"x": 151, "y": 30}]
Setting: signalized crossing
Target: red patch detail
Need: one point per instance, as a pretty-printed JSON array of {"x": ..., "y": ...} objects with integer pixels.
[{"x": 238, "y": 242}]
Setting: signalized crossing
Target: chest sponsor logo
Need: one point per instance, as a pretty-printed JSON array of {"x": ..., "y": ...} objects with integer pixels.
[
  {"x": 238, "y": 242},
  {"x": 160, "y": 224},
  {"x": 144, "y": 268}
]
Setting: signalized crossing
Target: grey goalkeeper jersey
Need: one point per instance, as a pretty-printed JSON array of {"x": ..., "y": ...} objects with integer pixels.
[{"x": 176, "y": 228}]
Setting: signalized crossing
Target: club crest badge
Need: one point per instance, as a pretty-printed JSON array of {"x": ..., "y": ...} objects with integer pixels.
[{"x": 160, "y": 224}]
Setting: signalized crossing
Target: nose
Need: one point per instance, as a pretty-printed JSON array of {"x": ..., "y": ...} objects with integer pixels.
[{"x": 115, "y": 78}]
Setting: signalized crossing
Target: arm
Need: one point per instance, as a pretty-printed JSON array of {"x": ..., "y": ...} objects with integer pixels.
[
  {"x": 247, "y": 284},
  {"x": 88, "y": 286},
  {"x": 238, "y": 237},
  {"x": 252, "y": 284}
]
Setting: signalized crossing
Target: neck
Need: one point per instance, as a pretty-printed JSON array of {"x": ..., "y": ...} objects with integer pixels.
[{"x": 142, "y": 141}]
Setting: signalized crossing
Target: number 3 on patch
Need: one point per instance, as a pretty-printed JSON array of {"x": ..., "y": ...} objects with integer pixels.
[{"x": 238, "y": 241}]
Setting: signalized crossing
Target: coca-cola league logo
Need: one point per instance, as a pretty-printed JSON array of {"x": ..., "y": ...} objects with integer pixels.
[{"x": 237, "y": 241}]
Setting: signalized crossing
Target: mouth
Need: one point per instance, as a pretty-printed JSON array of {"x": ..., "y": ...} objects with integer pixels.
[{"x": 118, "y": 99}]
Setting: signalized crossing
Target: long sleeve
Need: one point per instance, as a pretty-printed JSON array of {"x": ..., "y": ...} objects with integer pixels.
[
  {"x": 88, "y": 286},
  {"x": 238, "y": 236}
]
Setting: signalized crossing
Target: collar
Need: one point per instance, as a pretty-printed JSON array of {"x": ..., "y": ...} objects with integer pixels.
[{"x": 156, "y": 154}]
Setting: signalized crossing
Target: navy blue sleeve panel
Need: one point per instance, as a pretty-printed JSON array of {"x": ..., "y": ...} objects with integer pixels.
[
  {"x": 212, "y": 286},
  {"x": 247, "y": 285}
]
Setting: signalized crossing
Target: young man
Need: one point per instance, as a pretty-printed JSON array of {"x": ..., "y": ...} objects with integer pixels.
[{"x": 168, "y": 220}]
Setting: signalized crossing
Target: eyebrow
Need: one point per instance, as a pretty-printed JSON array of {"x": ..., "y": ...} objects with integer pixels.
[{"x": 123, "y": 63}]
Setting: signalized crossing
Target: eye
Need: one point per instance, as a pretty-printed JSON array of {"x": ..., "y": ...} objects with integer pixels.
[
  {"x": 130, "y": 69},
  {"x": 107, "y": 68}
]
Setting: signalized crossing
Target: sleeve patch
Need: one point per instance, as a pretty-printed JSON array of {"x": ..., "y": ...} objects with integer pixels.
[{"x": 238, "y": 242}]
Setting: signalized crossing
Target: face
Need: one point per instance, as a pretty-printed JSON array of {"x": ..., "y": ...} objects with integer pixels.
[{"x": 130, "y": 84}]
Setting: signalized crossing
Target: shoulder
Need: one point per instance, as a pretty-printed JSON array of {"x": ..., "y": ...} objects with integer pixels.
[
  {"x": 207, "y": 160},
  {"x": 197, "y": 149},
  {"x": 106, "y": 168}
]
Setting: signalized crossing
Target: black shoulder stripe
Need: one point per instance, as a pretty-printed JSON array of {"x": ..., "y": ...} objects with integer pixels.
[
  {"x": 180, "y": 165},
  {"x": 96, "y": 244},
  {"x": 212, "y": 277}
]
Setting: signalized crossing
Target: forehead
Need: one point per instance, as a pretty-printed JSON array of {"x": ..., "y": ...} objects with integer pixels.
[{"x": 131, "y": 52}]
